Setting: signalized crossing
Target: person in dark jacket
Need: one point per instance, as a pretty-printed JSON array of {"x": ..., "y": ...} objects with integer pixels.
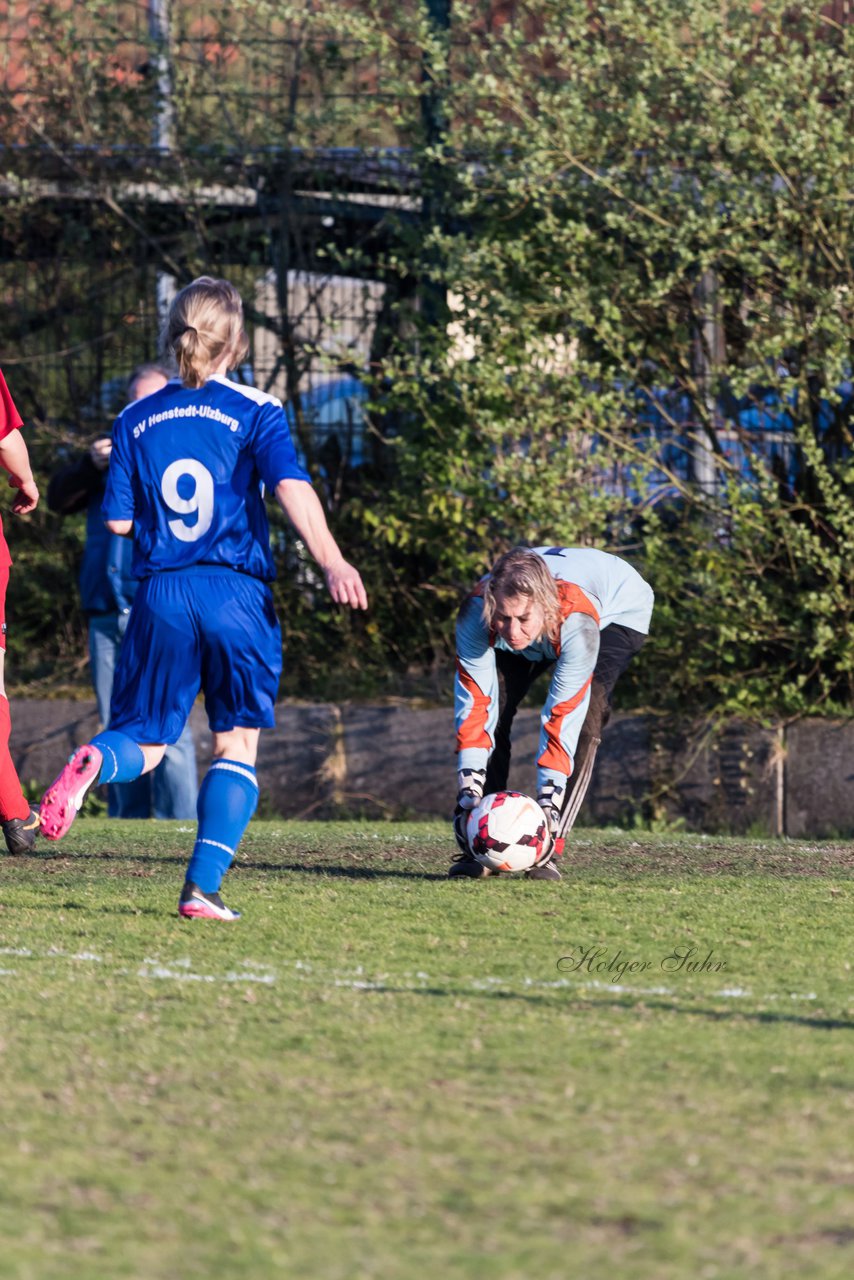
[{"x": 107, "y": 589}]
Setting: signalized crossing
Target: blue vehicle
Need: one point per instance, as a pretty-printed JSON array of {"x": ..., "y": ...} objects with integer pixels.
[
  {"x": 334, "y": 413},
  {"x": 756, "y": 434}
]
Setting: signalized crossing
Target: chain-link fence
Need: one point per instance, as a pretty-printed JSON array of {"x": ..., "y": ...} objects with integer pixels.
[{"x": 147, "y": 143}]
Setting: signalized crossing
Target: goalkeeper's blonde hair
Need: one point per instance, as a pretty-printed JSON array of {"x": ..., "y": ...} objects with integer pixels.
[
  {"x": 521, "y": 572},
  {"x": 205, "y": 322}
]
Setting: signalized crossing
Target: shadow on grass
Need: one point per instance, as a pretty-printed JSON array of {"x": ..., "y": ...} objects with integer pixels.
[
  {"x": 579, "y": 1003},
  {"x": 331, "y": 869},
  {"x": 104, "y": 908},
  {"x": 345, "y": 873}
]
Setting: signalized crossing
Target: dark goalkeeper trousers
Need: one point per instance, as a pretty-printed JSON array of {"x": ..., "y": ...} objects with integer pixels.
[{"x": 617, "y": 646}]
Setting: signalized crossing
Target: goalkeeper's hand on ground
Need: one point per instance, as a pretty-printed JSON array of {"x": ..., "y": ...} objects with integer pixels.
[
  {"x": 550, "y": 799},
  {"x": 470, "y": 784},
  {"x": 461, "y": 817}
]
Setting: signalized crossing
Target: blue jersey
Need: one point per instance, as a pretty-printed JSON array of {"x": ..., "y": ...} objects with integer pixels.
[{"x": 187, "y": 467}]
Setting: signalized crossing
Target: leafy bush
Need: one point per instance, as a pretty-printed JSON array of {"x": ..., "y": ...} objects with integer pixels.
[{"x": 619, "y": 205}]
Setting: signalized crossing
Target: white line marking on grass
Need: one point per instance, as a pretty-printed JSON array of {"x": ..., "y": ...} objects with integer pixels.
[
  {"x": 153, "y": 970},
  {"x": 258, "y": 965},
  {"x": 75, "y": 955},
  {"x": 356, "y": 979},
  {"x": 625, "y": 990},
  {"x": 182, "y": 973},
  {"x": 361, "y": 985}
]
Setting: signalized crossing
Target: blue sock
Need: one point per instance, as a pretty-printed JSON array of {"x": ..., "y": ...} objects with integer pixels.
[
  {"x": 228, "y": 797},
  {"x": 123, "y": 758}
]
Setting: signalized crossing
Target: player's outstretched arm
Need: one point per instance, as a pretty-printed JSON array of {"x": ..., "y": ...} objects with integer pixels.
[
  {"x": 16, "y": 460},
  {"x": 302, "y": 507}
]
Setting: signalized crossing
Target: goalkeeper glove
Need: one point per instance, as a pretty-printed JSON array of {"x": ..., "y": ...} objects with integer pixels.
[
  {"x": 461, "y": 834},
  {"x": 550, "y": 799},
  {"x": 470, "y": 784}
]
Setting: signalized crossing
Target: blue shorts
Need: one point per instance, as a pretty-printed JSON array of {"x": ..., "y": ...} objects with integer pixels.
[{"x": 204, "y": 628}]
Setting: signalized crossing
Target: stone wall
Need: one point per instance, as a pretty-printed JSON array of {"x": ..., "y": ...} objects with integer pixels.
[{"x": 397, "y": 761}]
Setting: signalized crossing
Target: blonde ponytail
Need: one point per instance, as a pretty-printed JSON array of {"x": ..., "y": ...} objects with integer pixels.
[{"x": 205, "y": 323}]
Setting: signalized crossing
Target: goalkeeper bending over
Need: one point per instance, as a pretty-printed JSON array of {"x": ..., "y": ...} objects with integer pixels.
[
  {"x": 579, "y": 613},
  {"x": 186, "y": 477}
]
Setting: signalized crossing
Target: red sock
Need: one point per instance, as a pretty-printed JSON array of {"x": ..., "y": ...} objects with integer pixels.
[{"x": 12, "y": 802}]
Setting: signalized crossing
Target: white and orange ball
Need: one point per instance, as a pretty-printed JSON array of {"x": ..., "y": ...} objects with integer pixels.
[{"x": 508, "y": 831}]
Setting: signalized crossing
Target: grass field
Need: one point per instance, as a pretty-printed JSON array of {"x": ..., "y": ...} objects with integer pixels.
[{"x": 644, "y": 1071}]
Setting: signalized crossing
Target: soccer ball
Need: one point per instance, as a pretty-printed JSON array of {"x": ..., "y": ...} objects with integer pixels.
[{"x": 508, "y": 832}]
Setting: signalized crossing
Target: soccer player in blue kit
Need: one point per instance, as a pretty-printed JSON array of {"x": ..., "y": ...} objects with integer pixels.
[{"x": 186, "y": 476}]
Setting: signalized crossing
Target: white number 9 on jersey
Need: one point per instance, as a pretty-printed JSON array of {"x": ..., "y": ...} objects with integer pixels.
[{"x": 200, "y": 504}]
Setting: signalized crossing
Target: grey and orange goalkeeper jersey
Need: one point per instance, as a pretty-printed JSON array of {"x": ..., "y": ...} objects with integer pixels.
[{"x": 595, "y": 589}]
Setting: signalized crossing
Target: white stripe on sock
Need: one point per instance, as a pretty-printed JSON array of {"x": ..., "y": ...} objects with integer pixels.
[
  {"x": 245, "y": 771},
  {"x": 216, "y": 844},
  {"x": 108, "y": 751}
]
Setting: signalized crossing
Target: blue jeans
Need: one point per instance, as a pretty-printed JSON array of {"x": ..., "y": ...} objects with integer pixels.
[{"x": 170, "y": 790}]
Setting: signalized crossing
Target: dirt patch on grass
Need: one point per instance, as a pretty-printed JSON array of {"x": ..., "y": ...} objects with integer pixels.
[{"x": 712, "y": 858}]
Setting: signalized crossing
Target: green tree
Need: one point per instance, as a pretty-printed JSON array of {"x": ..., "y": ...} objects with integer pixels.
[
  {"x": 575, "y": 208},
  {"x": 646, "y": 196}
]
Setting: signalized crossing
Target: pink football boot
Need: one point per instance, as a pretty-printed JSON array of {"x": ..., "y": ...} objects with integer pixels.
[
  {"x": 197, "y": 905},
  {"x": 62, "y": 801}
]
